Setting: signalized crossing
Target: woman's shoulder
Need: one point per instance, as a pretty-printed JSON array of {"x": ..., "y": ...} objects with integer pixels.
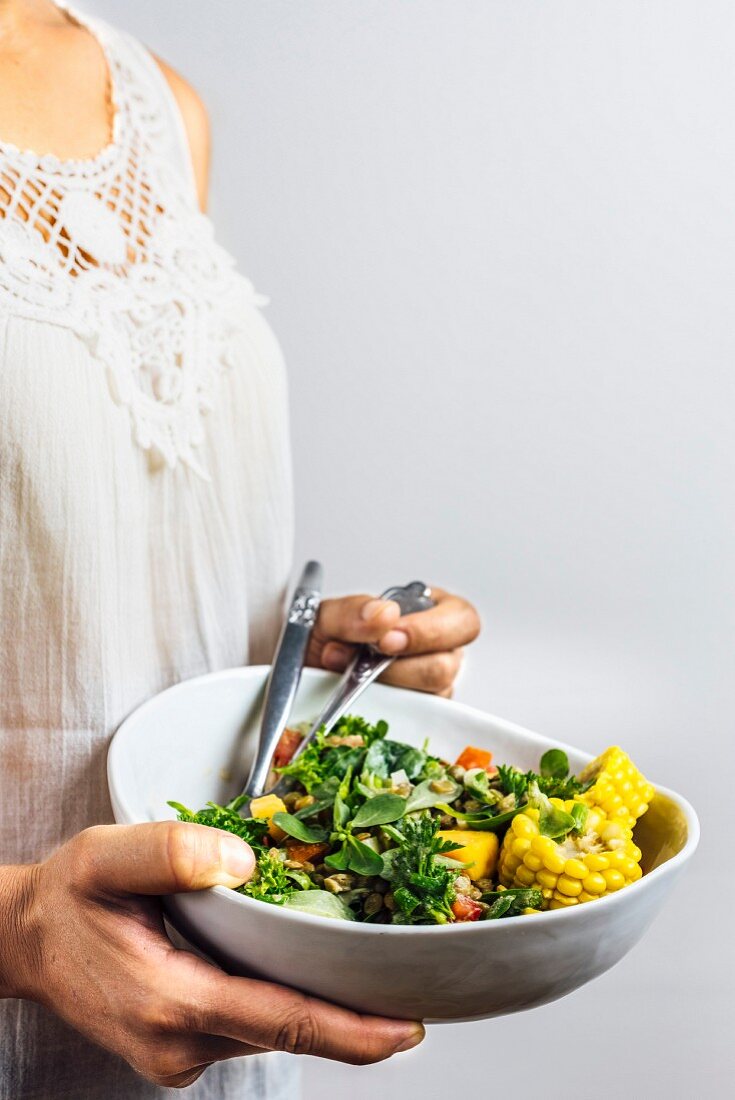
[{"x": 196, "y": 124}]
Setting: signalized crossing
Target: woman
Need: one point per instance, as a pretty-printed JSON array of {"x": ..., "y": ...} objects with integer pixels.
[{"x": 142, "y": 542}]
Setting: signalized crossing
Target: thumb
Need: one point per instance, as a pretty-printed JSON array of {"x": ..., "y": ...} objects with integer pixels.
[{"x": 165, "y": 857}]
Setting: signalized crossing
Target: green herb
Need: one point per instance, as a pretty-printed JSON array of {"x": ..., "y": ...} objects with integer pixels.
[
  {"x": 251, "y": 829},
  {"x": 511, "y": 902},
  {"x": 270, "y": 881},
  {"x": 424, "y": 889},
  {"x": 515, "y": 782},
  {"x": 483, "y": 822}
]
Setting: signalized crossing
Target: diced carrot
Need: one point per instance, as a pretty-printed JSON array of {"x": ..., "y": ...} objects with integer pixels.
[
  {"x": 289, "y": 742},
  {"x": 306, "y": 852},
  {"x": 465, "y": 908},
  {"x": 474, "y": 758}
]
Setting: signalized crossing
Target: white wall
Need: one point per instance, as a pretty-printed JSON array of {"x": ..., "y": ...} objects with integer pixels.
[{"x": 499, "y": 244}]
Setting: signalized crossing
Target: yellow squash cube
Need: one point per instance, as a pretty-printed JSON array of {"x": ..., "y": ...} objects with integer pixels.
[
  {"x": 264, "y": 808},
  {"x": 480, "y": 849}
]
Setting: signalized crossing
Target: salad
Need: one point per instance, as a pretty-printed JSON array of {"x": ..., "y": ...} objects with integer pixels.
[{"x": 382, "y": 832}]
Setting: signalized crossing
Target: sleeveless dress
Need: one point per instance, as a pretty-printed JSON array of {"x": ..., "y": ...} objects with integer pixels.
[{"x": 145, "y": 501}]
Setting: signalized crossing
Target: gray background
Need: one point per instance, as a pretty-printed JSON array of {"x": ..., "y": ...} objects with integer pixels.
[{"x": 498, "y": 240}]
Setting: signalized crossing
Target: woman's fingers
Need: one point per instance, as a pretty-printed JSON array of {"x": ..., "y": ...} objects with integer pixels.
[
  {"x": 450, "y": 624},
  {"x": 272, "y": 1017},
  {"x": 435, "y": 672}
]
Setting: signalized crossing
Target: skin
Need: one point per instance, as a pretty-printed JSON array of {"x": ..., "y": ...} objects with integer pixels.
[{"x": 82, "y": 932}]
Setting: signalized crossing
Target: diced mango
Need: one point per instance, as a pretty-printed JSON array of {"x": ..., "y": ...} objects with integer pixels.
[
  {"x": 480, "y": 849},
  {"x": 264, "y": 808}
]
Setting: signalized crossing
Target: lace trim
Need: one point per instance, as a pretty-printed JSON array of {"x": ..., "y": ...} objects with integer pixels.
[{"x": 115, "y": 249}]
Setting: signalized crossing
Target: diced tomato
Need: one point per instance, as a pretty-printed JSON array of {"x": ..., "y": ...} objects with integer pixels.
[
  {"x": 286, "y": 747},
  {"x": 306, "y": 852},
  {"x": 465, "y": 908},
  {"x": 476, "y": 758}
]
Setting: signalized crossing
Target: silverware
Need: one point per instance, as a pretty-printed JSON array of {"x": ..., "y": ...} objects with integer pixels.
[
  {"x": 366, "y": 665},
  {"x": 285, "y": 674}
]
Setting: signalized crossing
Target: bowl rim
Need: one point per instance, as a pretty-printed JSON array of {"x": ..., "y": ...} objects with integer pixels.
[{"x": 347, "y": 927}]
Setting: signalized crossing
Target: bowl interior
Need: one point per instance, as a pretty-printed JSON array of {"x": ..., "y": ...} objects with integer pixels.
[{"x": 194, "y": 742}]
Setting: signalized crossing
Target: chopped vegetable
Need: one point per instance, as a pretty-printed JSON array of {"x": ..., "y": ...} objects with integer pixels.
[
  {"x": 265, "y": 808},
  {"x": 478, "y": 849},
  {"x": 465, "y": 909},
  {"x": 287, "y": 745},
  {"x": 474, "y": 758}
]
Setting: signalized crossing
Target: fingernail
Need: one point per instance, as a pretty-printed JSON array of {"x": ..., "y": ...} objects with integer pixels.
[
  {"x": 236, "y": 859},
  {"x": 394, "y": 641},
  {"x": 412, "y": 1040},
  {"x": 373, "y": 608}
]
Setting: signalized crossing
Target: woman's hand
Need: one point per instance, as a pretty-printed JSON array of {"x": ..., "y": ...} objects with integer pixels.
[
  {"x": 429, "y": 643},
  {"x": 83, "y": 935}
]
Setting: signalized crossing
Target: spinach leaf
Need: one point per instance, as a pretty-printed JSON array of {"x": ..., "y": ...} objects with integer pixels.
[{"x": 385, "y": 757}]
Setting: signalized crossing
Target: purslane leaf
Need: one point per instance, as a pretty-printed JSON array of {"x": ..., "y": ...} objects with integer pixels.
[
  {"x": 382, "y": 809},
  {"x": 296, "y": 828}
]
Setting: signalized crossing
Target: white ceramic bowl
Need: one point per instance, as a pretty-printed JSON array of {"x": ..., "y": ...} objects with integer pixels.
[{"x": 192, "y": 743}]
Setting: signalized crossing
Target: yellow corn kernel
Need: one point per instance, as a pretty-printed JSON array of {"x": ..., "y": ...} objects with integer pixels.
[
  {"x": 532, "y": 861},
  {"x": 554, "y": 862},
  {"x": 543, "y": 846},
  {"x": 614, "y": 879},
  {"x": 594, "y": 883},
  {"x": 547, "y": 879},
  {"x": 570, "y": 887},
  {"x": 525, "y": 877},
  {"x": 520, "y": 846},
  {"x": 561, "y": 901},
  {"x": 575, "y": 868},
  {"x": 523, "y": 826},
  {"x": 597, "y": 862}
]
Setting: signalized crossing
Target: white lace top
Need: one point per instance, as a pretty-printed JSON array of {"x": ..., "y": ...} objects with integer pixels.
[{"x": 145, "y": 500}]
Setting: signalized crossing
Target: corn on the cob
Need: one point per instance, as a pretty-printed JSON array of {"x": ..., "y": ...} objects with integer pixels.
[
  {"x": 619, "y": 789},
  {"x": 578, "y": 868}
]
